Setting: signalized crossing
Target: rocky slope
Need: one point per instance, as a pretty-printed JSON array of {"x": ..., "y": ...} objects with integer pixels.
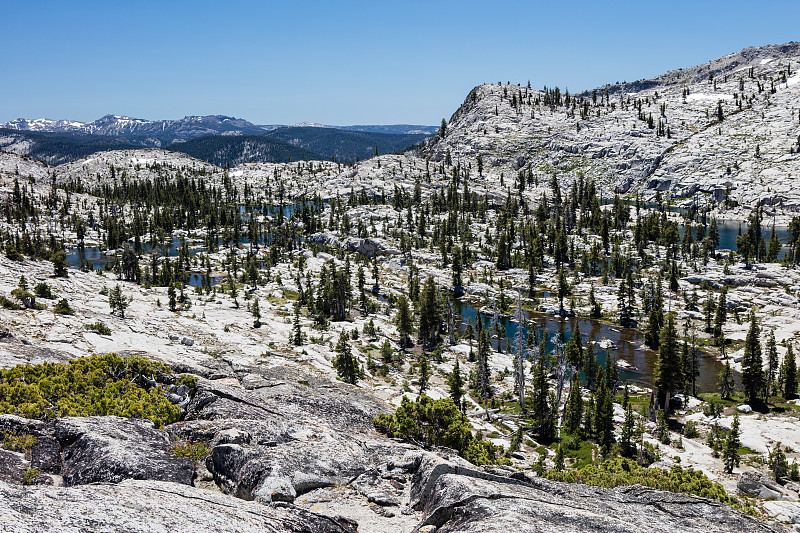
[
  {"x": 303, "y": 448},
  {"x": 692, "y": 133}
]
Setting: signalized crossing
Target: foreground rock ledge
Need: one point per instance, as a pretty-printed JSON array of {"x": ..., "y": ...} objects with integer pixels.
[
  {"x": 455, "y": 496},
  {"x": 149, "y": 506}
]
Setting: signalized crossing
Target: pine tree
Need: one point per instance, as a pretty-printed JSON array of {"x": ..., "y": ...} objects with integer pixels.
[
  {"x": 574, "y": 415},
  {"x": 721, "y": 316},
  {"x": 588, "y": 418},
  {"x": 484, "y": 351},
  {"x": 558, "y": 464},
  {"x": 172, "y": 295},
  {"x": 626, "y": 440},
  {"x": 595, "y": 310},
  {"x": 404, "y": 321},
  {"x": 424, "y": 373},
  {"x": 789, "y": 372},
  {"x": 668, "y": 377},
  {"x": 456, "y": 383},
  {"x": 604, "y": 415},
  {"x": 574, "y": 349},
  {"x": 752, "y": 363},
  {"x": 346, "y": 365},
  {"x": 60, "y": 264},
  {"x": 117, "y": 301},
  {"x": 709, "y": 307},
  {"x": 297, "y": 332},
  {"x": 540, "y": 395},
  {"x": 563, "y": 290},
  {"x": 256, "y": 311},
  {"x": 772, "y": 364},
  {"x": 623, "y": 304},
  {"x": 387, "y": 354},
  {"x": 730, "y": 453},
  {"x": 726, "y": 382},
  {"x": 429, "y": 317},
  {"x": 656, "y": 319}
]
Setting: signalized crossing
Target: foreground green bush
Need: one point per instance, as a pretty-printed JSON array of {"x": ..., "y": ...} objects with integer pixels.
[
  {"x": 619, "y": 472},
  {"x": 438, "y": 423},
  {"x": 97, "y": 385}
]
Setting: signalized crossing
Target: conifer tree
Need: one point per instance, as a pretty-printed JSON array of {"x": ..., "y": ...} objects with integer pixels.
[
  {"x": 730, "y": 453},
  {"x": 346, "y": 364},
  {"x": 726, "y": 382},
  {"x": 456, "y": 384},
  {"x": 709, "y": 307},
  {"x": 484, "y": 350},
  {"x": 540, "y": 395},
  {"x": 574, "y": 414},
  {"x": 772, "y": 364},
  {"x": 117, "y": 301},
  {"x": 668, "y": 376},
  {"x": 721, "y": 316},
  {"x": 256, "y": 311},
  {"x": 595, "y": 310},
  {"x": 656, "y": 319},
  {"x": 626, "y": 439},
  {"x": 403, "y": 321},
  {"x": 171, "y": 294},
  {"x": 789, "y": 373},
  {"x": 424, "y": 373},
  {"x": 752, "y": 362},
  {"x": 60, "y": 264},
  {"x": 588, "y": 418},
  {"x": 297, "y": 332},
  {"x": 604, "y": 414},
  {"x": 387, "y": 354},
  {"x": 429, "y": 318}
]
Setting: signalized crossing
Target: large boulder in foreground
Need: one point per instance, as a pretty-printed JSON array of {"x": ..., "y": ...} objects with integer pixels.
[
  {"x": 135, "y": 506},
  {"x": 457, "y": 498},
  {"x": 111, "y": 448}
]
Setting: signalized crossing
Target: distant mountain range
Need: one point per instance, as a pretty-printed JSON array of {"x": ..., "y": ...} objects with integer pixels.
[
  {"x": 218, "y": 139},
  {"x": 162, "y": 132}
]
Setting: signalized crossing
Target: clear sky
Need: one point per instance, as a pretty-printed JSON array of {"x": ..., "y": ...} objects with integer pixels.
[{"x": 344, "y": 62}]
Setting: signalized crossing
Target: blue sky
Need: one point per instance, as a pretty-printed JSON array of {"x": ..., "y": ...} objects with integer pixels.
[{"x": 347, "y": 62}]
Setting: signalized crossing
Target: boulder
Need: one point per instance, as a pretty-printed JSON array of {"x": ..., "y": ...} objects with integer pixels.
[
  {"x": 284, "y": 471},
  {"x": 455, "y": 497},
  {"x": 753, "y": 483},
  {"x": 137, "y": 506},
  {"x": 111, "y": 448}
]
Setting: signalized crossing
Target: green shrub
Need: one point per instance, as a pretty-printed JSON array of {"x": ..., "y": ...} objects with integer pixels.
[
  {"x": 17, "y": 443},
  {"x": 29, "y": 475},
  {"x": 690, "y": 430},
  {"x": 98, "y": 327},
  {"x": 8, "y": 304},
  {"x": 62, "y": 307},
  {"x": 620, "y": 471},
  {"x": 188, "y": 379},
  {"x": 43, "y": 290},
  {"x": 438, "y": 423},
  {"x": 96, "y": 385},
  {"x": 196, "y": 451}
]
